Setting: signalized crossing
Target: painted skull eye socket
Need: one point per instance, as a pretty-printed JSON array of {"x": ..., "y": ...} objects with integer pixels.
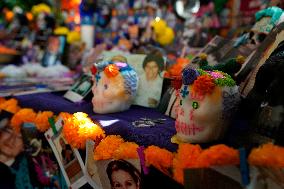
[{"x": 195, "y": 105}]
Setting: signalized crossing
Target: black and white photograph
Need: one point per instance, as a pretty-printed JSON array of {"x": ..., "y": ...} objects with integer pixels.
[{"x": 80, "y": 89}]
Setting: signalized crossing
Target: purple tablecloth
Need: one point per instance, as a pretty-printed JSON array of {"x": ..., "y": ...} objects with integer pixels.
[{"x": 116, "y": 123}]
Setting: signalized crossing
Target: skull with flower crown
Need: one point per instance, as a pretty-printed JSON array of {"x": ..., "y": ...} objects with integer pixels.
[
  {"x": 207, "y": 101},
  {"x": 115, "y": 86}
]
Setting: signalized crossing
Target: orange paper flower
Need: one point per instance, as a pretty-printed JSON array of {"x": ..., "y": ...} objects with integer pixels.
[
  {"x": 127, "y": 150},
  {"x": 268, "y": 155},
  {"x": 10, "y": 105},
  {"x": 160, "y": 158},
  {"x": 24, "y": 115},
  {"x": 79, "y": 128},
  {"x": 107, "y": 146},
  {"x": 204, "y": 84},
  {"x": 41, "y": 120},
  {"x": 186, "y": 157},
  {"x": 111, "y": 70}
]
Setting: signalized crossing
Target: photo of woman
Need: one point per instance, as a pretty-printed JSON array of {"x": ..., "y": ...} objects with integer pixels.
[
  {"x": 123, "y": 175},
  {"x": 151, "y": 81}
]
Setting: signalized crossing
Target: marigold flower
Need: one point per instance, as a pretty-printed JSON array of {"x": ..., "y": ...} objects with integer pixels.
[
  {"x": 186, "y": 157},
  {"x": 127, "y": 150},
  {"x": 160, "y": 158},
  {"x": 25, "y": 115},
  {"x": 218, "y": 155},
  {"x": 111, "y": 70},
  {"x": 79, "y": 128},
  {"x": 2, "y": 100},
  {"x": 10, "y": 105},
  {"x": 64, "y": 116},
  {"x": 41, "y": 120},
  {"x": 192, "y": 156},
  {"x": 269, "y": 155},
  {"x": 107, "y": 146}
]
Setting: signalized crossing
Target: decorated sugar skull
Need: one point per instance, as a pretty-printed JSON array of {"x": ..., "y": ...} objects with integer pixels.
[
  {"x": 115, "y": 86},
  {"x": 207, "y": 102},
  {"x": 266, "y": 20}
]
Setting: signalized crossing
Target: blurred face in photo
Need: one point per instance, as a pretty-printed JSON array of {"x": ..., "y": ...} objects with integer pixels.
[
  {"x": 11, "y": 142},
  {"x": 123, "y": 180},
  {"x": 151, "y": 70},
  {"x": 53, "y": 45}
]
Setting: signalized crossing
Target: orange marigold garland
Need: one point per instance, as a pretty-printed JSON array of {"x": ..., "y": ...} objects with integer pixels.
[
  {"x": 204, "y": 84},
  {"x": 22, "y": 116},
  {"x": 218, "y": 155},
  {"x": 10, "y": 105},
  {"x": 111, "y": 70},
  {"x": 107, "y": 146},
  {"x": 41, "y": 120},
  {"x": 160, "y": 158},
  {"x": 186, "y": 157},
  {"x": 2, "y": 100},
  {"x": 268, "y": 155},
  {"x": 64, "y": 116},
  {"x": 127, "y": 150},
  {"x": 79, "y": 128}
]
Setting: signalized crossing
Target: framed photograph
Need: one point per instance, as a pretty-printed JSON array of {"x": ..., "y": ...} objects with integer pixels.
[
  {"x": 252, "y": 65},
  {"x": 69, "y": 159},
  {"x": 220, "y": 50},
  {"x": 173, "y": 103},
  {"x": 54, "y": 50},
  {"x": 91, "y": 169},
  {"x": 112, "y": 174},
  {"x": 216, "y": 49},
  {"x": 150, "y": 69},
  {"x": 81, "y": 88},
  {"x": 120, "y": 173}
]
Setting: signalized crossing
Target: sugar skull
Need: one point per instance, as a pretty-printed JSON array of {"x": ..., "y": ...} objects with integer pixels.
[
  {"x": 115, "y": 86},
  {"x": 207, "y": 100}
]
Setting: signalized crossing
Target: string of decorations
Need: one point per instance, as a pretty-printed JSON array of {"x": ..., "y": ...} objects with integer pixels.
[{"x": 78, "y": 128}]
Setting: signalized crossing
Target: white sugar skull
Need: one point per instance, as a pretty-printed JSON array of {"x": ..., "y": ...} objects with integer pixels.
[
  {"x": 207, "y": 101},
  {"x": 115, "y": 86}
]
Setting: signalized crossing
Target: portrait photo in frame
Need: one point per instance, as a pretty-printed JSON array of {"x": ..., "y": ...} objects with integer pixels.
[
  {"x": 69, "y": 159},
  {"x": 112, "y": 173},
  {"x": 54, "y": 50},
  {"x": 80, "y": 89},
  {"x": 150, "y": 69}
]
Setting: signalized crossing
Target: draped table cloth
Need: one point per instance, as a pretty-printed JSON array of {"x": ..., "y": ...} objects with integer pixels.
[{"x": 114, "y": 123}]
